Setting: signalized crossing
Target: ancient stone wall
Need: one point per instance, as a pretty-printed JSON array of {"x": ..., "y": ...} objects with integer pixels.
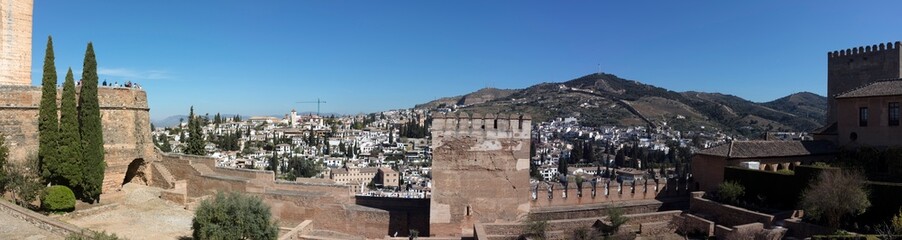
[
  {"x": 545, "y": 194},
  {"x": 594, "y": 210},
  {"x": 405, "y": 213},
  {"x": 330, "y": 206},
  {"x": 852, "y": 68},
  {"x": 480, "y": 171},
  {"x": 15, "y": 42},
  {"x": 564, "y": 228},
  {"x": 125, "y": 118},
  {"x": 726, "y": 215}
]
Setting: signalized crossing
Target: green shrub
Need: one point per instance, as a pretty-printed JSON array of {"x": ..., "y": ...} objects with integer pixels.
[
  {"x": 730, "y": 192},
  {"x": 58, "y": 198},
  {"x": 534, "y": 228},
  {"x": 233, "y": 216},
  {"x": 92, "y": 235}
]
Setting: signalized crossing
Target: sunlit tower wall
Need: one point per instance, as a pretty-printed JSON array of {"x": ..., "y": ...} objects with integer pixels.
[
  {"x": 15, "y": 41},
  {"x": 855, "y": 67},
  {"x": 480, "y": 171}
]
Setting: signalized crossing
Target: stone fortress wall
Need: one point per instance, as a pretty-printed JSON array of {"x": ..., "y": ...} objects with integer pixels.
[
  {"x": 480, "y": 171},
  {"x": 855, "y": 67},
  {"x": 125, "y": 117},
  {"x": 330, "y": 206},
  {"x": 15, "y": 43}
]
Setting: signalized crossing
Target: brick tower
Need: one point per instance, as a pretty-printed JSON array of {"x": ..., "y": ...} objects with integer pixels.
[
  {"x": 480, "y": 171},
  {"x": 852, "y": 68}
]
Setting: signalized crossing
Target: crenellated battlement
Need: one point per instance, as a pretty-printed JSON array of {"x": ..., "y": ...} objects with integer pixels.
[
  {"x": 865, "y": 50},
  {"x": 464, "y": 122},
  {"x": 480, "y": 170},
  {"x": 855, "y": 67}
]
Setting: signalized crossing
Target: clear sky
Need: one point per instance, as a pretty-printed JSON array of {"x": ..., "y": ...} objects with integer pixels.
[{"x": 260, "y": 57}]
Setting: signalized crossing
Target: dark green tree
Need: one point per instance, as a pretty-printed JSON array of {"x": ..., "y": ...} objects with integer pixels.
[
  {"x": 391, "y": 135},
  {"x": 163, "y": 143},
  {"x": 195, "y": 143},
  {"x": 302, "y": 167},
  {"x": 562, "y": 167},
  {"x": 70, "y": 148},
  {"x": 4, "y": 175},
  {"x": 90, "y": 129},
  {"x": 577, "y": 153},
  {"x": 233, "y": 216},
  {"x": 48, "y": 124}
]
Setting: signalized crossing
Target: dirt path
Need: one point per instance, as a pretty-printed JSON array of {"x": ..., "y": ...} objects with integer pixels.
[
  {"x": 14, "y": 228},
  {"x": 138, "y": 214}
]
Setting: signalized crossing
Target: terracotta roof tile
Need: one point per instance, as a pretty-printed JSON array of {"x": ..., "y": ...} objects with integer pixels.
[
  {"x": 758, "y": 149},
  {"x": 875, "y": 89}
]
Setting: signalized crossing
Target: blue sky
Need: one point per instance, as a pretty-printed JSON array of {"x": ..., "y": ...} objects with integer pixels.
[{"x": 260, "y": 57}]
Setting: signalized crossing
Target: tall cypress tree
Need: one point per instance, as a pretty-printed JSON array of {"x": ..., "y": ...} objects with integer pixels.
[
  {"x": 70, "y": 148},
  {"x": 48, "y": 123},
  {"x": 91, "y": 129},
  {"x": 195, "y": 143}
]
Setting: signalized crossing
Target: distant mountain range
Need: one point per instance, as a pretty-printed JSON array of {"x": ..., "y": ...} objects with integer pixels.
[{"x": 605, "y": 99}]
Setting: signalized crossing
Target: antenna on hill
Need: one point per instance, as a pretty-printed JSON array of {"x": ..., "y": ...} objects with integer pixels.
[
  {"x": 318, "y": 102},
  {"x": 599, "y": 69}
]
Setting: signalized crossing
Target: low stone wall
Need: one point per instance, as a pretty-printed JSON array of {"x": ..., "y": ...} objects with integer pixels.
[
  {"x": 179, "y": 165},
  {"x": 329, "y": 205},
  {"x": 798, "y": 229},
  {"x": 177, "y": 194},
  {"x": 643, "y": 223},
  {"x": 654, "y": 228},
  {"x": 595, "y": 210},
  {"x": 255, "y": 176},
  {"x": 749, "y": 231},
  {"x": 690, "y": 224},
  {"x": 296, "y": 232},
  {"x": 39, "y": 220},
  {"x": 727, "y": 215}
]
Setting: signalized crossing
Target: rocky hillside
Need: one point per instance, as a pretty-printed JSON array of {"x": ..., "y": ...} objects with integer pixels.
[
  {"x": 605, "y": 99},
  {"x": 477, "y": 97}
]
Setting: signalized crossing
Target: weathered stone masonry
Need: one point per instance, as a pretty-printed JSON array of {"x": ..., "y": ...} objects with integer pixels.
[
  {"x": 480, "y": 171},
  {"x": 15, "y": 42},
  {"x": 126, "y": 128}
]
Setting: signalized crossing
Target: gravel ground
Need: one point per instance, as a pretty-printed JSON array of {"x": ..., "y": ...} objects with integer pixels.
[
  {"x": 140, "y": 214},
  {"x": 14, "y": 228}
]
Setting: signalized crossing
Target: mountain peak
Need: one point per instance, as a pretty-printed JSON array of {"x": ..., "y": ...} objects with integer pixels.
[{"x": 606, "y": 99}]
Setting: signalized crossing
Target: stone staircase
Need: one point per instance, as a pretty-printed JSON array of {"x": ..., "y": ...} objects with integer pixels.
[
  {"x": 203, "y": 169},
  {"x": 168, "y": 181}
]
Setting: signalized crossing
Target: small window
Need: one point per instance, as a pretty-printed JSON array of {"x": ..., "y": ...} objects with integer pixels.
[
  {"x": 863, "y": 117},
  {"x": 893, "y": 114}
]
